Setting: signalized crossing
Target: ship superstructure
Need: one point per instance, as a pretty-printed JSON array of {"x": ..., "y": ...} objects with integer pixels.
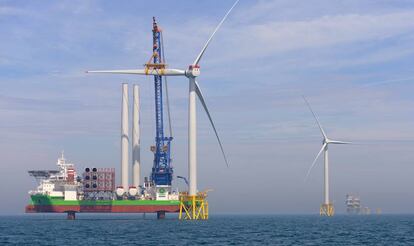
[{"x": 61, "y": 183}]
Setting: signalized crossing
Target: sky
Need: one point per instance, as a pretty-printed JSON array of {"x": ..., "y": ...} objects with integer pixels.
[{"x": 351, "y": 59}]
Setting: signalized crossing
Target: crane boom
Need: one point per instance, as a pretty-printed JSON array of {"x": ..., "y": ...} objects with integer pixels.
[{"x": 162, "y": 171}]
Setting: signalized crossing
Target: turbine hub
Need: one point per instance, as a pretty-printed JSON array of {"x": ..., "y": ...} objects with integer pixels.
[{"x": 193, "y": 71}]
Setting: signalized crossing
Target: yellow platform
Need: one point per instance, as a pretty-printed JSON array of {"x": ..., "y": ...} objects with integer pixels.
[
  {"x": 193, "y": 207},
  {"x": 327, "y": 210}
]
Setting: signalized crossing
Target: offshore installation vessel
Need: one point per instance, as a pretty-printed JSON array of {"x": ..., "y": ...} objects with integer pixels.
[{"x": 60, "y": 191}]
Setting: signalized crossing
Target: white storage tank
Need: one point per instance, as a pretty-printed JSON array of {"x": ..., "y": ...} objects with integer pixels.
[
  {"x": 120, "y": 191},
  {"x": 133, "y": 191}
]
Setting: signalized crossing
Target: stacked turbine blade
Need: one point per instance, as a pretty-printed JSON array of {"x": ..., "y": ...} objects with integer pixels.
[
  {"x": 124, "y": 137},
  {"x": 136, "y": 168}
]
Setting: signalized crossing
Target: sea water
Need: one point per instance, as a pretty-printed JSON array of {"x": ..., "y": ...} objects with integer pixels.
[{"x": 124, "y": 229}]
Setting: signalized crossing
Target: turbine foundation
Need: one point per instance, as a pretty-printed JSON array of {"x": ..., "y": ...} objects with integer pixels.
[
  {"x": 327, "y": 209},
  {"x": 193, "y": 207}
]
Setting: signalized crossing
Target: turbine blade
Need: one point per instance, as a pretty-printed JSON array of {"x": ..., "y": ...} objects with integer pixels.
[
  {"x": 197, "y": 60},
  {"x": 126, "y": 71},
  {"x": 162, "y": 72},
  {"x": 316, "y": 118},
  {"x": 314, "y": 161},
  {"x": 339, "y": 142},
  {"x": 200, "y": 96}
]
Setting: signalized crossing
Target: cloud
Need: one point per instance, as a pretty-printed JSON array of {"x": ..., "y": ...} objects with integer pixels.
[
  {"x": 32, "y": 104},
  {"x": 12, "y": 11},
  {"x": 272, "y": 37}
]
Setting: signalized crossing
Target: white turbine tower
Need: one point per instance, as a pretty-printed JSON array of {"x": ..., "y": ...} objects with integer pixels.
[
  {"x": 191, "y": 73},
  {"x": 327, "y": 207}
]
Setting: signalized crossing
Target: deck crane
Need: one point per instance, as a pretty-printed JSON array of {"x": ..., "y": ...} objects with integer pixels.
[{"x": 162, "y": 171}]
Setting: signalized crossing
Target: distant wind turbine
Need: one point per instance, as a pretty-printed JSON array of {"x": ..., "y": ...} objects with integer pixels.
[{"x": 327, "y": 207}]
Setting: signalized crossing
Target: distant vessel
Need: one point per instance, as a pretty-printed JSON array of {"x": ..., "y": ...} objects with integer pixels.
[{"x": 62, "y": 191}]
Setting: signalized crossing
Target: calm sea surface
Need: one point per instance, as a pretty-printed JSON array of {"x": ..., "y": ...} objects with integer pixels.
[{"x": 54, "y": 229}]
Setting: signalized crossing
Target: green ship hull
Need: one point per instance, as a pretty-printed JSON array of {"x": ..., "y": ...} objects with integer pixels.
[{"x": 44, "y": 203}]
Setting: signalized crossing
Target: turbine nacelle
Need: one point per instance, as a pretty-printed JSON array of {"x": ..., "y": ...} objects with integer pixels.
[
  {"x": 193, "y": 71},
  {"x": 326, "y": 141}
]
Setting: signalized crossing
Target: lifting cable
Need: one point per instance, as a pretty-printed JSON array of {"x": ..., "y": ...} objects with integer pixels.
[{"x": 166, "y": 87}]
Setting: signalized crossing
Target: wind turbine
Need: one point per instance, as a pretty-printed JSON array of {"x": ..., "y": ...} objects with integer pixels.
[
  {"x": 192, "y": 72},
  {"x": 327, "y": 207}
]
